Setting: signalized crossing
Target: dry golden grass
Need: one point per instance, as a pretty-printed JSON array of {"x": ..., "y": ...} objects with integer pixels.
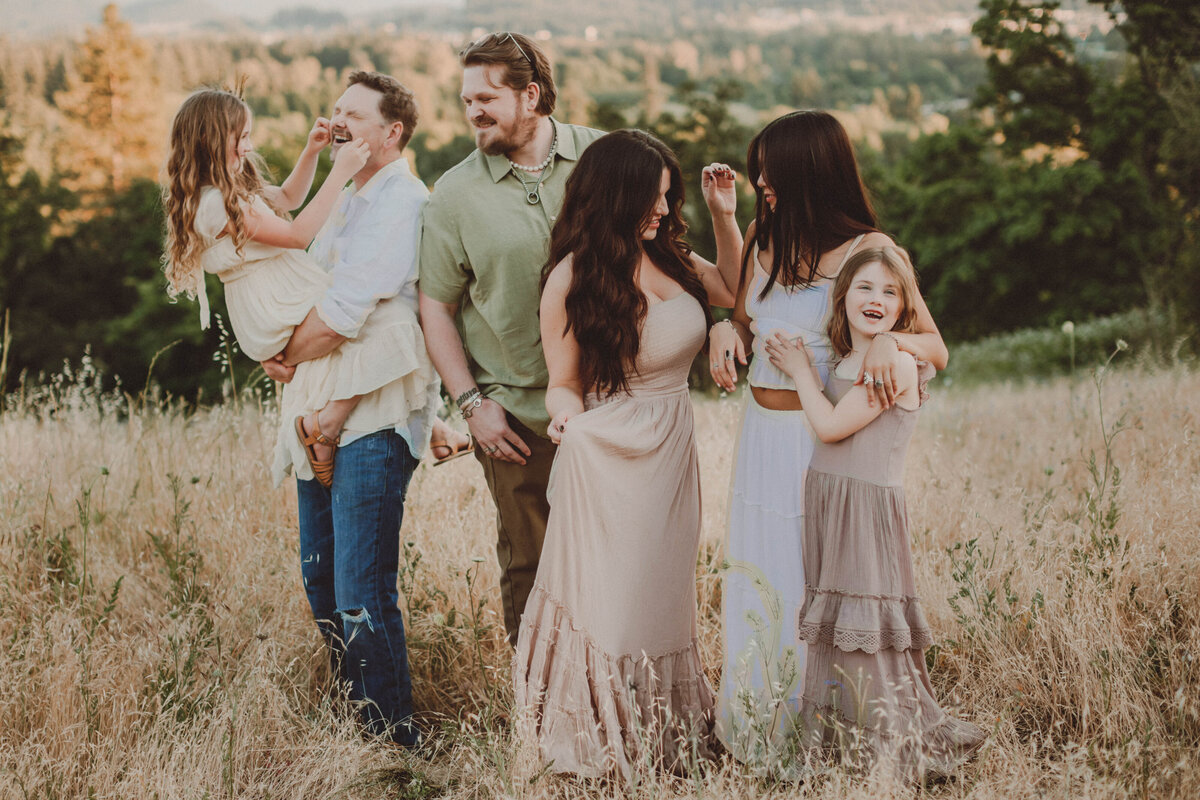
[{"x": 1073, "y": 635}]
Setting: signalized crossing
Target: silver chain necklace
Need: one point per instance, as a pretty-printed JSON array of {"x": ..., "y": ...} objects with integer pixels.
[{"x": 533, "y": 196}]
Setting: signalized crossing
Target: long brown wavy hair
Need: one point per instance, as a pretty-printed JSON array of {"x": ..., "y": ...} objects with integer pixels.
[
  {"x": 201, "y": 133},
  {"x": 609, "y": 198},
  {"x": 820, "y": 198},
  {"x": 896, "y": 261}
]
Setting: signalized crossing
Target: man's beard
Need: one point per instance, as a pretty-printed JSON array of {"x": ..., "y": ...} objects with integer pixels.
[{"x": 504, "y": 142}]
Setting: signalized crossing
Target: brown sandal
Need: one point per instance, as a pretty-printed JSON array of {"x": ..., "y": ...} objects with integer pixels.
[
  {"x": 469, "y": 447},
  {"x": 322, "y": 470}
]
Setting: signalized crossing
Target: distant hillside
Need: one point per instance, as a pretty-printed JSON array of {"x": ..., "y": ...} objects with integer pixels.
[{"x": 666, "y": 16}]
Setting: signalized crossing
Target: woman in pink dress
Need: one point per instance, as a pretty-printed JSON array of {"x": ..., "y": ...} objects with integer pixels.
[{"x": 607, "y": 673}]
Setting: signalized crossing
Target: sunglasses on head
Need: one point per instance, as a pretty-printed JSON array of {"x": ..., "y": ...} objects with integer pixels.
[{"x": 506, "y": 36}]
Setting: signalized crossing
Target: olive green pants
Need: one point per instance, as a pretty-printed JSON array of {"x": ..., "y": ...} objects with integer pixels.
[{"x": 521, "y": 513}]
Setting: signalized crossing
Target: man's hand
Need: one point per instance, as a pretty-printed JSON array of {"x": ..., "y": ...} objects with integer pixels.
[
  {"x": 489, "y": 426},
  {"x": 277, "y": 370},
  {"x": 311, "y": 339}
]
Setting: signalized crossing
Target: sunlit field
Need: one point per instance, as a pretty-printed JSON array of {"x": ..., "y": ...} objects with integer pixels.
[{"x": 156, "y": 642}]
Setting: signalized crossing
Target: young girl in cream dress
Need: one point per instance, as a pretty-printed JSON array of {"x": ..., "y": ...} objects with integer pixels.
[{"x": 223, "y": 219}]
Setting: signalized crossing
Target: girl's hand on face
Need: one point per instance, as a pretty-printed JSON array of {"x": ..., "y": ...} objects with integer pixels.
[
  {"x": 879, "y": 363},
  {"x": 717, "y": 184},
  {"x": 350, "y": 159},
  {"x": 788, "y": 356},
  {"x": 725, "y": 351},
  {"x": 319, "y": 136}
]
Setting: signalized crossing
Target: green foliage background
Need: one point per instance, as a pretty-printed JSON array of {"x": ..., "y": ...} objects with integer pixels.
[{"x": 1036, "y": 175}]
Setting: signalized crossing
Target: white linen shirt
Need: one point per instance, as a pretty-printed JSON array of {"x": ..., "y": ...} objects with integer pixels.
[{"x": 369, "y": 245}]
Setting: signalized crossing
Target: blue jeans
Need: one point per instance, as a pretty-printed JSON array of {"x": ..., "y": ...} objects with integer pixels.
[{"x": 349, "y": 556}]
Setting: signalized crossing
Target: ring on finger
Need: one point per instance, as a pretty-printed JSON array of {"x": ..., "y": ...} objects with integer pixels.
[
  {"x": 867, "y": 378},
  {"x": 879, "y": 381}
]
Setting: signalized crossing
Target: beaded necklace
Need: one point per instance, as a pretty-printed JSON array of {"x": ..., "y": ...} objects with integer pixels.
[{"x": 533, "y": 195}]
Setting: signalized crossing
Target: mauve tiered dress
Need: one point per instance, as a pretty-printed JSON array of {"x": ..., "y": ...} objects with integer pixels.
[
  {"x": 607, "y": 673},
  {"x": 865, "y": 678}
]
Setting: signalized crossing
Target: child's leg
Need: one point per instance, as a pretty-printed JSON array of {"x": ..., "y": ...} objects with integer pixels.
[{"x": 329, "y": 420}]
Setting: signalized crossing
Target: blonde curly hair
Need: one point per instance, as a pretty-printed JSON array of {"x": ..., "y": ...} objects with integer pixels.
[{"x": 207, "y": 124}]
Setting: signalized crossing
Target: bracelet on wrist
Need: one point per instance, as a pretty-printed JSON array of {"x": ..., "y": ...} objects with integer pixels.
[
  {"x": 719, "y": 322},
  {"x": 466, "y": 396},
  {"x": 891, "y": 336},
  {"x": 469, "y": 401},
  {"x": 470, "y": 407}
]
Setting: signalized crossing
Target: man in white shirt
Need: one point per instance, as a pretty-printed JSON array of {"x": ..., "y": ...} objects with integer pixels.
[{"x": 350, "y": 532}]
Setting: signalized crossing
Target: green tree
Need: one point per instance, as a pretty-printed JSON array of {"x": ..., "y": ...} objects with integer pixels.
[
  {"x": 1151, "y": 119},
  {"x": 112, "y": 101},
  {"x": 1008, "y": 243},
  {"x": 705, "y": 132},
  {"x": 1075, "y": 208},
  {"x": 1037, "y": 89},
  {"x": 30, "y": 211}
]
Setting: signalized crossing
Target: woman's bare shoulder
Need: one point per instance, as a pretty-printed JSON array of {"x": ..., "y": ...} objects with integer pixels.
[
  {"x": 877, "y": 239},
  {"x": 558, "y": 282}
]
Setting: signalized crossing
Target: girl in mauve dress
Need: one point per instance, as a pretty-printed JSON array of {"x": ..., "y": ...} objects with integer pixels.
[{"x": 866, "y": 688}]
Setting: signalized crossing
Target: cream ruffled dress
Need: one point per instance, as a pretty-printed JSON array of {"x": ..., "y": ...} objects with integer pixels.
[
  {"x": 268, "y": 291},
  {"x": 607, "y": 671}
]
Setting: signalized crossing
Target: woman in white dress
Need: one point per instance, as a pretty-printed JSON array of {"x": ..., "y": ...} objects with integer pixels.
[{"x": 812, "y": 213}]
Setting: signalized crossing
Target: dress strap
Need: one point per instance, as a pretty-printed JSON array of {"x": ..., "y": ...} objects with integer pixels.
[{"x": 850, "y": 251}]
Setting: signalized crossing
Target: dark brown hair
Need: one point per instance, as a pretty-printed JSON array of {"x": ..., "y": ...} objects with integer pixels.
[
  {"x": 523, "y": 61},
  {"x": 397, "y": 103},
  {"x": 896, "y": 261},
  {"x": 820, "y": 198},
  {"x": 609, "y": 198}
]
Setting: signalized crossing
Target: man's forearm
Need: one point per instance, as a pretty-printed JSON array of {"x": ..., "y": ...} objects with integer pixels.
[
  {"x": 445, "y": 347},
  {"x": 311, "y": 339}
]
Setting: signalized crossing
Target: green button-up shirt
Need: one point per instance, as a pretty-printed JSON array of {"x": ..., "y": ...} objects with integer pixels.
[{"x": 483, "y": 247}]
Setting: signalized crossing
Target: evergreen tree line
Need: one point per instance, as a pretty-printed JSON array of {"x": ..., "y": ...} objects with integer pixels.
[{"x": 1068, "y": 189}]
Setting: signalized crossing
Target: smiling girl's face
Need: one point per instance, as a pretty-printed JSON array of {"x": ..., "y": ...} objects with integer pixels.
[
  {"x": 874, "y": 301},
  {"x": 240, "y": 145}
]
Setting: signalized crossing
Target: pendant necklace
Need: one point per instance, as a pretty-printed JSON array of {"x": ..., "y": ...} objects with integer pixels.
[{"x": 533, "y": 195}]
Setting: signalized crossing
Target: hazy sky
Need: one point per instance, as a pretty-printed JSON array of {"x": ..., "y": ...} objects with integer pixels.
[{"x": 34, "y": 17}]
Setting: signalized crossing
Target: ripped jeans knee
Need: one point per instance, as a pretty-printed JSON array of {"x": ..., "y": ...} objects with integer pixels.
[{"x": 353, "y": 618}]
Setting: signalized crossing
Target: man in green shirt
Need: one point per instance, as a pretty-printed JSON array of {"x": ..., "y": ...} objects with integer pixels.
[{"x": 484, "y": 243}]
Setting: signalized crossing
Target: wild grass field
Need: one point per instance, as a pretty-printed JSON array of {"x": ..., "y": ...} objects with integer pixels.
[{"x": 156, "y": 642}]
